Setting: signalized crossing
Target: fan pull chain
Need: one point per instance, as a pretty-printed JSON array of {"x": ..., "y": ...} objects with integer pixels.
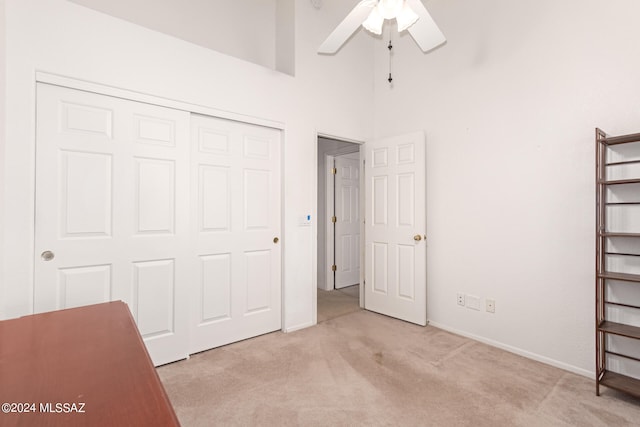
[{"x": 390, "y": 47}]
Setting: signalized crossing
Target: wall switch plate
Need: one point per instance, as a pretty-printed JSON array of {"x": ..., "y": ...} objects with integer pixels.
[
  {"x": 460, "y": 297},
  {"x": 491, "y": 305},
  {"x": 305, "y": 220},
  {"x": 473, "y": 302}
]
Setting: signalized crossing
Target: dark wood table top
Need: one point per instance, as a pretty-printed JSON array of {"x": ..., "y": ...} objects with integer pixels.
[{"x": 85, "y": 366}]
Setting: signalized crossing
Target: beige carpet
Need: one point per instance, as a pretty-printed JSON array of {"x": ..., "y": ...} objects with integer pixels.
[
  {"x": 361, "y": 368},
  {"x": 336, "y": 303}
]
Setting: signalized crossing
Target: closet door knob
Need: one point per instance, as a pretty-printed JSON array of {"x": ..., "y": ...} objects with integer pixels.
[
  {"x": 417, "y": 237},
  {"x": 47, "y": 255},
  {"x": 276, "y": 240}
]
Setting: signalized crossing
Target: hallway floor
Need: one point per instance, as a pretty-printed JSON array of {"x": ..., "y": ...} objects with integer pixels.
[{"x": 336, "y": 303}]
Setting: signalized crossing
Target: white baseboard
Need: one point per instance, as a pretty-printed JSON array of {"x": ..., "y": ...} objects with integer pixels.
[
  {"x": 297, "y": 327},
  {"x": 518, "y": 351}
]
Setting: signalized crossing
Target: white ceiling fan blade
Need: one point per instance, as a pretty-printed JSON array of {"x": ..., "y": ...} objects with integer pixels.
[
  {"x": 425, "y": 31},
  {"x": 347, "y": 27}
]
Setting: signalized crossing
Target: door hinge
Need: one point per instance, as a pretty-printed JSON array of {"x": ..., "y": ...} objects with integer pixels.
[
  {"x": 334, "y": 268},
  {"x": 334, "y": 171},
  {"x": 334, "y": 219}
]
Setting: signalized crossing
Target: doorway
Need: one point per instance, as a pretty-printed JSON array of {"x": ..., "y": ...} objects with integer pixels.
[
  {"x": 338, "y": 243},
  {"x": 392, "y": 214}
]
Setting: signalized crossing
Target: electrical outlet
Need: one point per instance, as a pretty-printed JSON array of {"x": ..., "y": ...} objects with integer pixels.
[
  {"x": 460, "y": 299},
  {"x": 472, "y": 302},
  {"x": 491, "y": 305}
]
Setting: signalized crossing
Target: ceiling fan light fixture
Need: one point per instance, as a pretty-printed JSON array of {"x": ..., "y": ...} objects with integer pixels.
[
  {"x": 374, "y": 22},
  {"x": 410, "y": 15},
  {"x": 406, "y": 18}
]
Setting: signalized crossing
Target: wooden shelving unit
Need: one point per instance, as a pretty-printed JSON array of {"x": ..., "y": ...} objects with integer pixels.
[{"x": 607, "y": 277}]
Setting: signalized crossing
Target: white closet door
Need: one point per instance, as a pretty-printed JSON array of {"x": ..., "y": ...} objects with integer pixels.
[
  {"x": 236, "y": 227},
  {"x": 395, "y": 247},
  {"x": 347, "y": 228},
  {"x": 112, "y": 187}
]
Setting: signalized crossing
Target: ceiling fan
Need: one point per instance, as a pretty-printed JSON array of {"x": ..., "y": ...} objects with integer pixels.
[{"x": 410, "y": 15}]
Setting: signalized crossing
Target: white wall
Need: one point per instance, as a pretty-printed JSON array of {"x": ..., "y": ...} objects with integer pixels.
[
  {"x": 509, "y": 106},
  {"x": 245, "y": 29},
  {"x": 60, "y": 37}
]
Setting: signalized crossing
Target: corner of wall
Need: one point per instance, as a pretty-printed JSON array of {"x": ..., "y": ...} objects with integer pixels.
[
  {"x": 3, "y": 100},
  {"x": 285, "y": 37}
]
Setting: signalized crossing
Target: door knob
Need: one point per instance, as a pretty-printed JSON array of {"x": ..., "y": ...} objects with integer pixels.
[
  {"x": 276, "y": 240},
  {"x": 417, "y": 237},
  {"x": 47, "y": 255}
]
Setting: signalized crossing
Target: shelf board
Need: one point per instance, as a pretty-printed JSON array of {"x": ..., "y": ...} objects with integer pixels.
[
  {"x": 625, "y": 162},
  {"x": 619, "y": 304},
  {"x": 624, "y": 356},
  {"x": 620, "y": 181},
  {"x": 622, "y": 139},
  {"x": 621, "y": 382},
  {"x": 621, "y": 203},
  {"x": 618, "y": 234},
  {"x": 620, "y": 329},
  {"x": 621, "y": 254},
  {"x": 620, "y": 276}
]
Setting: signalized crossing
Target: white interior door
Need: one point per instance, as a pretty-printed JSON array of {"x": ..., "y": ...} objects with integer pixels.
[
  {"x": 112, "y": 211},
  {"x": 347, "y": 225},
  {"x": 236, "y": 227},
  {"x": 395, "y": 227}
]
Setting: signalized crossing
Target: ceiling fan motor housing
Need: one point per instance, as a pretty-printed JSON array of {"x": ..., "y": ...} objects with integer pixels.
[{"x": 389, "y": 9}]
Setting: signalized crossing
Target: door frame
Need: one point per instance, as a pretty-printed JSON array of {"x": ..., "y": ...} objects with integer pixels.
[
  {"x": 329, "y": 208},
  {"x": 330, "y": 205},
  {"x": 326, "y": 167},
  {"x": 72, "y": 83}
]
